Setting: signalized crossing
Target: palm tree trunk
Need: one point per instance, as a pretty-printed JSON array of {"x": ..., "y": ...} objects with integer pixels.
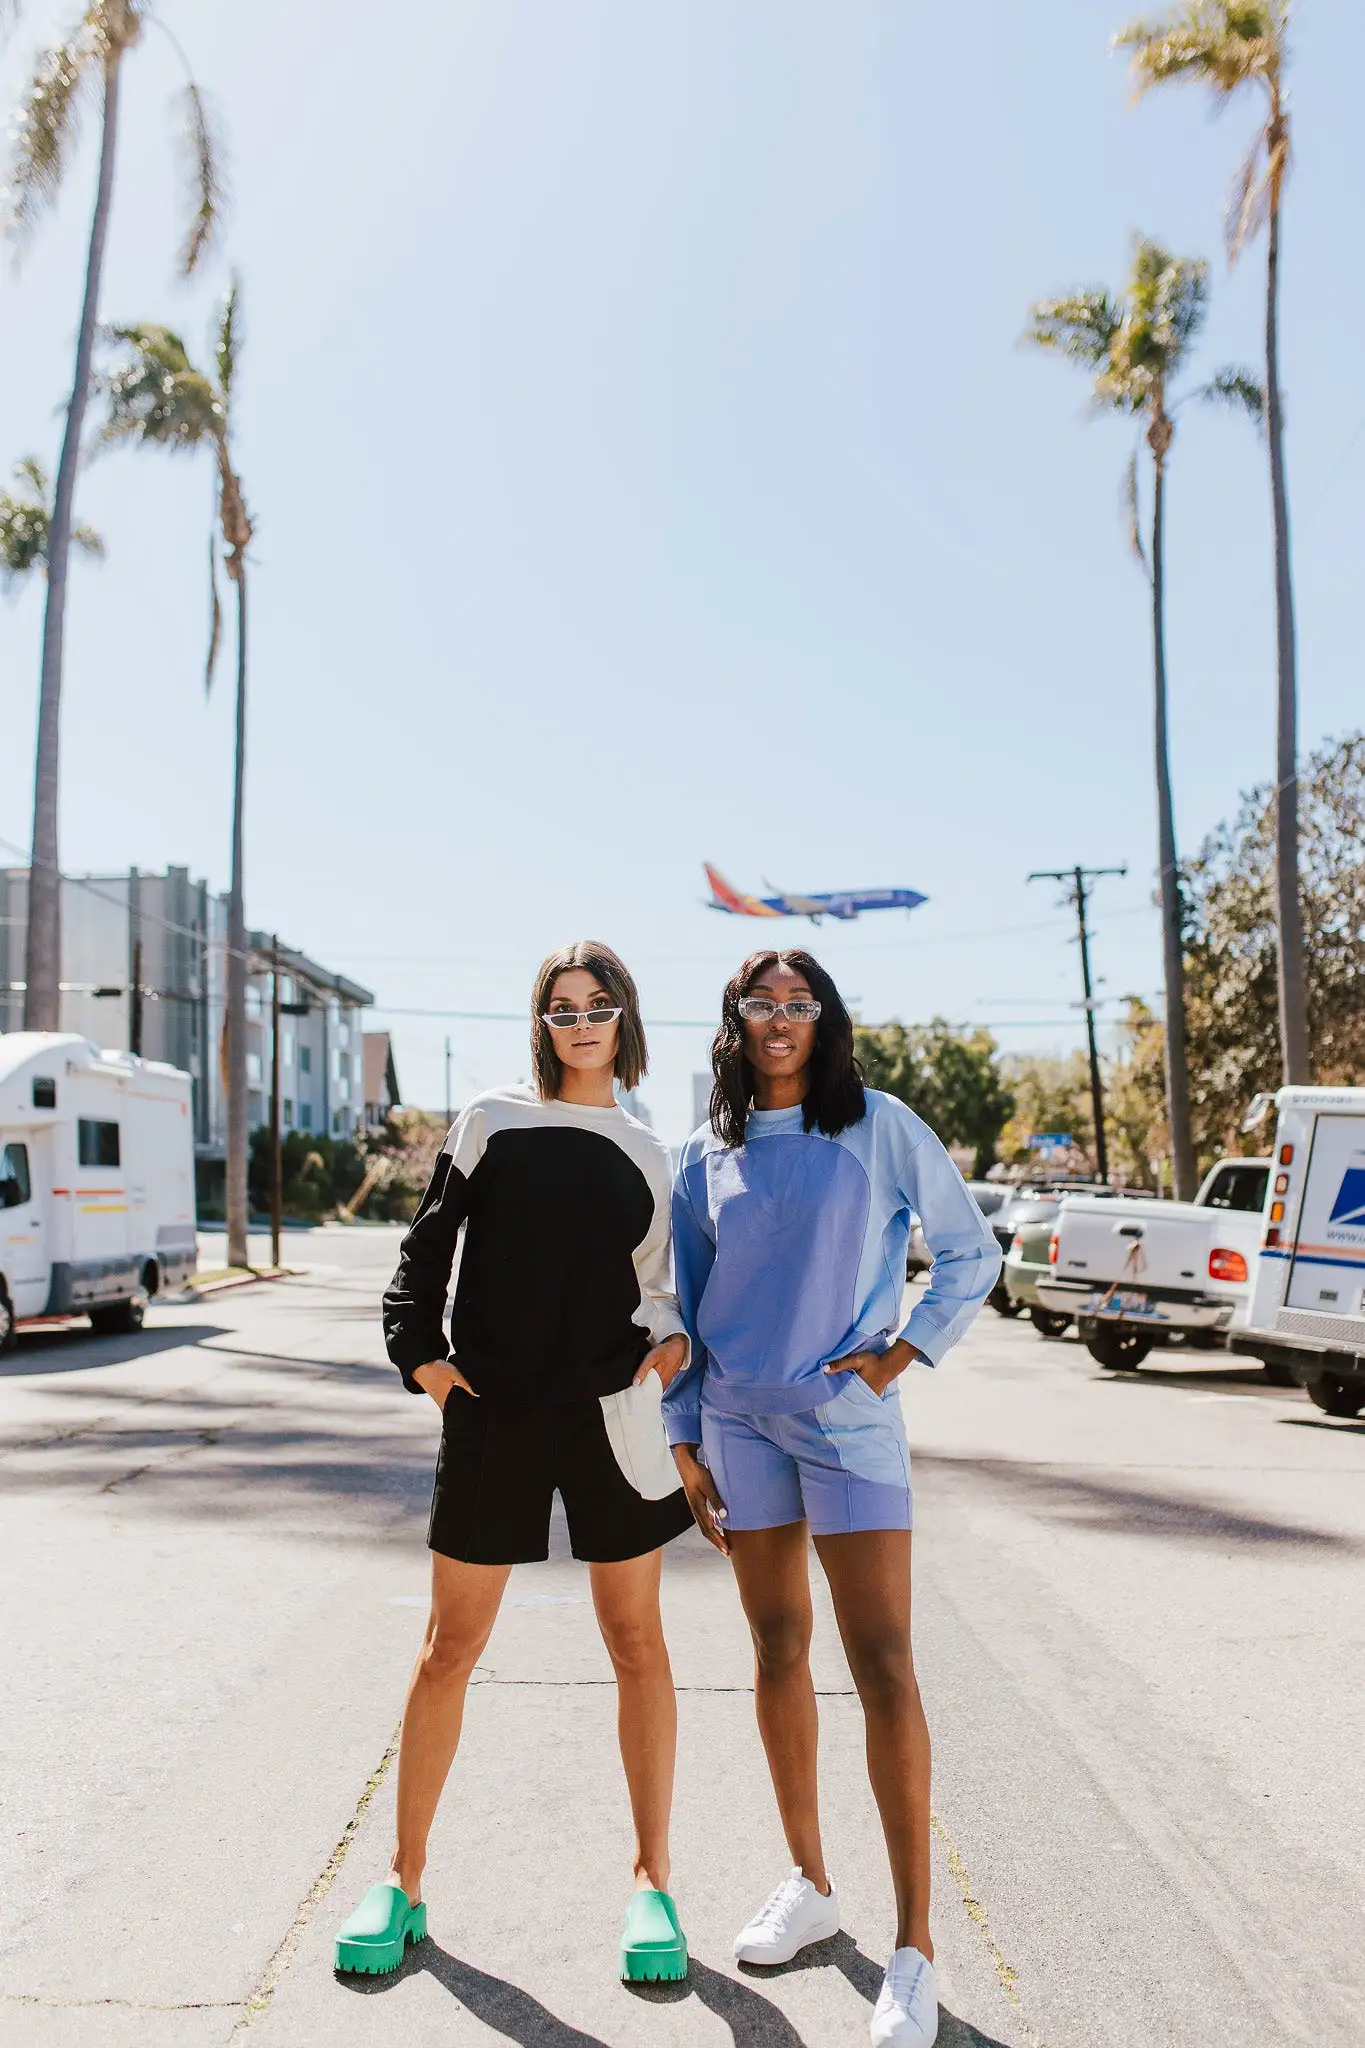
[
  {"x": 1288, "y": 915},
  {"x": 43, "y": 943},
  {"x": 236, "y": 970},
  {"x": 1172, "y": 951}
]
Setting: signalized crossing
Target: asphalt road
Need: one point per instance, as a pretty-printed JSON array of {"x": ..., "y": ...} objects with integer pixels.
[{"x": 1139, "y": 1623}]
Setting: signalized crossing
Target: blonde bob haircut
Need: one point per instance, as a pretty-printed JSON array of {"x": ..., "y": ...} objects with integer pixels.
[{"x": 611, "y": 973}]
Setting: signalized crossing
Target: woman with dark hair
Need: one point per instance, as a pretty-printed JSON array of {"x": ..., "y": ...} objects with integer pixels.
[
  {"x": 791, "y": 1214},
  {"x": 564, "y": 1333}
]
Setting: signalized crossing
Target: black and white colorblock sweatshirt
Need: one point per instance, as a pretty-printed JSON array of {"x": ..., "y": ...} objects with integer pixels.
[{"x": 565, "y": 1278}]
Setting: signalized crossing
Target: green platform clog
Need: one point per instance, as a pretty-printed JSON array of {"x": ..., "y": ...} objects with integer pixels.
[
  {"x": 382, "y": 1925},
  {"x": 653, "y": 1945}
]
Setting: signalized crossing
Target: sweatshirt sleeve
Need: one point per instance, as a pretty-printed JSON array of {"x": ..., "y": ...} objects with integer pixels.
[
  {"x": 694, "y": 1254},
  {"x": 966, "y": 1255},
  {"x": 415, "y": 1302},
  {"x": 654, "y": 1264}
]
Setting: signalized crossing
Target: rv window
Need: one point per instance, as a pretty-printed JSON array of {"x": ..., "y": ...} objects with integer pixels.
[
  {"x": 15, "y": 1186},
  {"x": 44, "y": 1092},
  {"x": 96, "y": 1143}
]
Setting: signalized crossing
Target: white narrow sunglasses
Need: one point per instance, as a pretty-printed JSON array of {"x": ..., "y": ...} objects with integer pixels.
[
  {"x": 762, "y": 1010},
  {"x": 567, "y": 1020}
]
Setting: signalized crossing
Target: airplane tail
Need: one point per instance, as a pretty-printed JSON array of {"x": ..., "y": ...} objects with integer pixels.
[{"x": 723, "y": 895}]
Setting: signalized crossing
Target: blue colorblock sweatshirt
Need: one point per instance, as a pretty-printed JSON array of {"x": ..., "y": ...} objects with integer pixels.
[{"x": 789, "y": 1252}]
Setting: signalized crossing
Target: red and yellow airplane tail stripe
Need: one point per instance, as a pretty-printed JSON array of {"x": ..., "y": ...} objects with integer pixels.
[{"x": 730, "y": 898}]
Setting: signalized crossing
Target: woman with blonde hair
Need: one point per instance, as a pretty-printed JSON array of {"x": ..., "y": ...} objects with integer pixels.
[{"x": 564, "y": 1334}]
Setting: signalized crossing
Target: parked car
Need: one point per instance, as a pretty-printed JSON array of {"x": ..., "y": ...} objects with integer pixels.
[
  {"x": 1157, "y": 1270},
  {"x": 918, "y": 1257},
  {"x": 1306, "y": 1319},
  {"x": 1026, "y": 1263}
]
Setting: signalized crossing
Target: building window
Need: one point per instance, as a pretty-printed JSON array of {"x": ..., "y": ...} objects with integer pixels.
[
  {"x": 286, "y": 1048},
  {"x": 253, "y": 1000},
  {"x": 96, "y": 1143},
  {"x": 305, "y": 1116},
  {"x": 288, "y": 1114},
  {"x": 305, "y": 1059},
  {"x": 253, "y": 1067}
]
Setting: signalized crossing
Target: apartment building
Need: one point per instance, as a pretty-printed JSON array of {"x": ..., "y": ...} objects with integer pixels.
[{"x": 143, "y": 969}]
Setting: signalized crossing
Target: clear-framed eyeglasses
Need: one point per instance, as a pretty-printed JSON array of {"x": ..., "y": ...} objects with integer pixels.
[
  {"x": 569, "y": 1020},
  {"x": 762, "y": 1010}
]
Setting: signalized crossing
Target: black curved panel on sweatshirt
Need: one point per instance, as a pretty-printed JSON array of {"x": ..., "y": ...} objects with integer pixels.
[{"x": 547, "y": 1289}]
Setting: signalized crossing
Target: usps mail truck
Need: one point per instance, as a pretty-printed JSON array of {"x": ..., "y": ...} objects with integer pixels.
[
  {"x": 1308, "y": 1298},
  {"x": 96, "y": 1182}
]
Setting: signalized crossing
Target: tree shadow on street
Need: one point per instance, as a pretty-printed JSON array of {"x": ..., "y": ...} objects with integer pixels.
[{"x": 1062, "y": 1494}]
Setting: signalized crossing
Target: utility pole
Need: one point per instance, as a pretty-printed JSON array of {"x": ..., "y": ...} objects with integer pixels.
[
  {"x": 135, "y": 1003},
  {"x": 449, "y": 1118},
  {"x": 276, "y": 1143},
  {"x": 1078, "y": 877}
]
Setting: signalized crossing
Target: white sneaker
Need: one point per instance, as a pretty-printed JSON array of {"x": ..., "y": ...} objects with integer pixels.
[
  {"x": 906, "y": 2013},
  {"x": 791, "y": 1917}
]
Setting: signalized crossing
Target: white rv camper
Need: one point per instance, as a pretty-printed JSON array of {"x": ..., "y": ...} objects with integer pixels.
[
  {"x": 96, "y": 1181},
  {"x": 1308, "y": 1299}
]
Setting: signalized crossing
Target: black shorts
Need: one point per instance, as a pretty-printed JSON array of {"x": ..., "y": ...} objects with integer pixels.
[{"x": 498, "y": 1471}]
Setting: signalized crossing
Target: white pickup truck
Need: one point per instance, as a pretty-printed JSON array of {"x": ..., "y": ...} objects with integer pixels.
[{"x": 1139, "y": 1274}]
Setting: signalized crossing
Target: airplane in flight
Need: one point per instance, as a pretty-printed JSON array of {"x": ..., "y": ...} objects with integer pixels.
[{"x": 842, "y": 903}]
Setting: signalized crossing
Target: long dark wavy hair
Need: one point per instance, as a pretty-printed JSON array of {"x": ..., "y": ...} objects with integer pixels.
[{"x": 835, "y": 1097}]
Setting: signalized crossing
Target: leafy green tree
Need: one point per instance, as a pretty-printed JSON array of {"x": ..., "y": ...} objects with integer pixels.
[
  {"x": 1231, "y": 47},
  {"x": 26, "y": 525},
  {"x": 1232, "y": 943},
  {"x": 1051, "y": 1092},
  {"x": 950, "y": 1078},
  {"x": 1134, "y": 346},
  {"x": 158, "y": 398},
  {"x": 89, "y": 62}
]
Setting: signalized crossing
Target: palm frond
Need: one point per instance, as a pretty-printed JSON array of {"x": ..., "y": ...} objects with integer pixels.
[
  {"x": 215, "y": 610},
  {"x": 229, "y": 338},
  {"x": 89, "y": 542},
  {"x": 1239, "y": 389},
  {"x": 28, "y": 470},
  {"x": 1080, "y": 326},
  {"x": 1132, "y": 511},
  {"x": 1248, "y": 201},
  {"x": 47, "y": 125},
  {"x": 154, "y": 393},
  {"x": 201, "y": 154},
  {"x": 1223, "y": 44}
]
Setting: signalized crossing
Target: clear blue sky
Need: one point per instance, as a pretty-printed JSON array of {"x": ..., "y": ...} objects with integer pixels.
[{"x": 645, "y": 471}]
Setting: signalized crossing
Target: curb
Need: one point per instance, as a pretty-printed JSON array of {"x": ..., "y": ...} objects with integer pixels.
[{"x": 251, "y": 1279}]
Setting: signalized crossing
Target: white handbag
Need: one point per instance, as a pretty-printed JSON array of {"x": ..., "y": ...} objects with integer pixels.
[{"x": 635, "y": 1431}]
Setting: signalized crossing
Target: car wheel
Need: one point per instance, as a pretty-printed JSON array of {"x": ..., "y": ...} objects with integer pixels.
[
  {"x": 6, "y": 1324},
  {"x": 118, "y": 1318},
  {"x": 1119, "y": 1350},
  {"x": 1048, "y": 1323},
  {"x": 1000, "y": 1301},
  {"x": 1333, "y": 1395}
]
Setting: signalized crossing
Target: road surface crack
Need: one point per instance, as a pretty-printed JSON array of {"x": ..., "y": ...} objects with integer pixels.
[
  {"x": 1006, "y": 1975},
  {"x": 128, "y": 2004},
  {"x": 268, "y": 1982}
]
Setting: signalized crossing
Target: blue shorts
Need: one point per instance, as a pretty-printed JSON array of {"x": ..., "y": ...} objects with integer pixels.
[{"x": 843, "y": 1467}]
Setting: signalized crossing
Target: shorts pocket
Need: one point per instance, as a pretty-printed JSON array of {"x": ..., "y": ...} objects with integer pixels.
[{"x": 639, "y": 1443}]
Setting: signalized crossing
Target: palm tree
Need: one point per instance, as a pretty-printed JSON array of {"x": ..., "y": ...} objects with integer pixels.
[
  {"x": 1229, "y": 45},
  {"x": 91, "y": 58},
  {"x": 26, "y": 525},
  {"x": 158, "y": 398},
  {"x": 1135, "y": 346}
]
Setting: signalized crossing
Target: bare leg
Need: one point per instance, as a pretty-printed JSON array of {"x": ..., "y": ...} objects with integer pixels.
[
  {"x": 773, "y": 1574},
  {"x": 464, "y": 1605},
  {"x": 626, "y": 1597},
  {"x": 869, "y": 1578}
]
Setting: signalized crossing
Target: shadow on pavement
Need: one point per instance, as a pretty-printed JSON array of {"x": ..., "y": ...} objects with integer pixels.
[
  {"x": 1248, "y": 1380},
  {"x": 1323, "y": 1422},
  {"x": 504, "y": 2007},
  {"x": 78, "y": 1349},
  {"x": 1064, "y": 1497}
]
